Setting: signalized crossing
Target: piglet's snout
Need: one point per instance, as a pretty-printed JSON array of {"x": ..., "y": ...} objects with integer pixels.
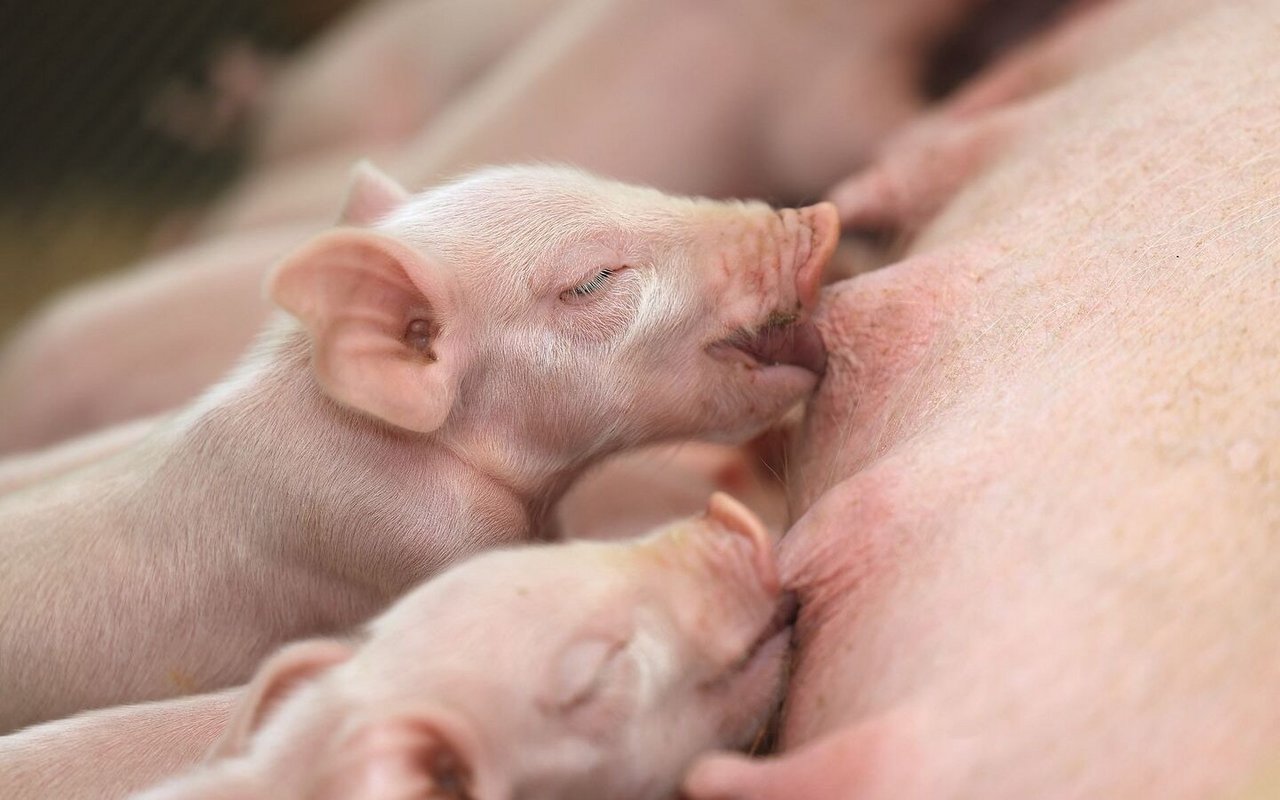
[
  {"x": 817, "y": 233},
  {"x": 737, "y": 520}
]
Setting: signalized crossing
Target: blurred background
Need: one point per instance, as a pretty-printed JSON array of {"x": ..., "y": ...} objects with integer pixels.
[
  {"x": 123, "y": 120},
  {"x": 120, "y": 121}
]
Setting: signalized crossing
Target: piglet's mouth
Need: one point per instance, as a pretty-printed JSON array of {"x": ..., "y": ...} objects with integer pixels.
[
  {"x": 771, "y": 637},
  {"x": 781, "y": 340},
  {"x": 784, "y": 616}
]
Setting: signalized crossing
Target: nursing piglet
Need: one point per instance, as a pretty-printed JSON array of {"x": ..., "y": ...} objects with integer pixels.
[
  {"x": 645, "y": 654},
  {"x": 458, "y": 362}
]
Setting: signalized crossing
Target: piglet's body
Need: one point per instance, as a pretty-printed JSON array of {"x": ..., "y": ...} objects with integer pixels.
[
  {"x": 457, "y": 363},
  {"x": 646, "y": 654}
]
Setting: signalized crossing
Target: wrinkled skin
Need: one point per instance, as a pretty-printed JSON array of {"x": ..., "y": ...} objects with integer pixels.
[
  {"x": 760, "y": 99},
  {"x": 646, "y": 653},
  {"x": 456, "y": 362},
  {"x": 1040, "y": 555}
]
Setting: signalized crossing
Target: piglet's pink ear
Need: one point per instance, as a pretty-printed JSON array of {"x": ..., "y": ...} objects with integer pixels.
[
  {"x": 371, "y": 195},
  {"x": 380, "y": 317},
  {"x": 420, "y": 756},
  {"x": 276, "y": 679}
]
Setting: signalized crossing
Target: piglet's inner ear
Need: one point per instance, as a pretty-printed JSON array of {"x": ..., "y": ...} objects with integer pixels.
[
  {"x": 379, "y": 315},
  {"x": 433, "y": 756},
  {"x": 371, "y": 195},
  {"x": 276, "y": 679}
]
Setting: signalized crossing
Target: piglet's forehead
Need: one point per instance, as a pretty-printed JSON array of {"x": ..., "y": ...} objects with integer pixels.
[{"x": 531, "y": 220}]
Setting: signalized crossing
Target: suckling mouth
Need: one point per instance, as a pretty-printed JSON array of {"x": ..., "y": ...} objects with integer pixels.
[
  {"x": 781, "y": 339},
  {"x": 779, "y": 624}
]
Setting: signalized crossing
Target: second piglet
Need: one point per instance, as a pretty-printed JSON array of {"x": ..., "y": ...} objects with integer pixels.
[
  {"x": 655, "y": 650},
  {"x": 461, "y": 356}
]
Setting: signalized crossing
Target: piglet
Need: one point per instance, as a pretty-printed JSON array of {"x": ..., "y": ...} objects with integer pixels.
[
  {"x": 581, "y": 670},
  {"x": 457, "y": 359}
]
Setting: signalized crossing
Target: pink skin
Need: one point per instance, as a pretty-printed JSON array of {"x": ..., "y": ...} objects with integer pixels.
[
  {"x": 21, "y": 471},
  {"x": 112, "y": 752},
  {"x": 647, "y": 652},
  {"x": 921, "y": 168},
  {"x": 455, "y": 367},
  {"x": 373, "y": 80},
  {"x": 666, "y": 93},
  {"x": 636, "y": 491},
  {"x": 174, "y": 326},
  {"x": 1046, "y": 531}
]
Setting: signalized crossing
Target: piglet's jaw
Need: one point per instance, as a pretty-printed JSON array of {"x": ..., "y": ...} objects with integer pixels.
[{"x": 738, "y": 520}]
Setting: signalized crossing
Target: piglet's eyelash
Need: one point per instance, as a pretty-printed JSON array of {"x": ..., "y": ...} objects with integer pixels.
[{"x": 594, "y": 285}]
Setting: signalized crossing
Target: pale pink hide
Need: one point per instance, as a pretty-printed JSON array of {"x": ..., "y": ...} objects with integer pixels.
[
  {"x": 1042, "y": 554},
  {"x": 137, "y": 344},
  {"x": 112, "y": 752},
  {"x": 643, "y": 655},
  {"x": 755, "y": 98},
  {"x": 375, "y": 78},
  {"x": 456, "y": 366},
  {"x": 919, "y": 169},
  {"x": 636, "y": 491},
  {"x": 752, "y": 97}
]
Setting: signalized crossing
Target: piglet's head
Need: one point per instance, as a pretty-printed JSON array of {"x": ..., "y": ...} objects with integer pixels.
[
  {"x": 529, "y": 313},
  {"x": 585, "y": 669},
  {"x": 588, "y": 669}
]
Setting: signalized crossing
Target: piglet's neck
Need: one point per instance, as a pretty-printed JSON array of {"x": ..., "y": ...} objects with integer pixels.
[{"x": 332, "y": 490}]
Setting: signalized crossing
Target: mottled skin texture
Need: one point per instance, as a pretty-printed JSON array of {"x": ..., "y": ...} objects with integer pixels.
[
  {"x": 447, "y": 378},
  {"x": 1041, "y": 553}
]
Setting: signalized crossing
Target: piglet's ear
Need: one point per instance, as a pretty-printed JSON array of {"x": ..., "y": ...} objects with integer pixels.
[
  {"x": 426, "y": 756},
  {"x": 380, "y": 317},
  {"x": 275, "y": 680},
  {"x": 371, "y": 195}
]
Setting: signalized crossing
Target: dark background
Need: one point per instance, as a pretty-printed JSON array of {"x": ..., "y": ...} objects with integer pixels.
[
  {"x": 94, "y": 172},
  {"x": 89, "y": 176}
]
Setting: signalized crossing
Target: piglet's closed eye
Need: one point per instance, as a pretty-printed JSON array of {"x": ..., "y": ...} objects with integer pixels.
[
  {"x": 580, "y": 672},
  {"x": 380, "y": 316}
]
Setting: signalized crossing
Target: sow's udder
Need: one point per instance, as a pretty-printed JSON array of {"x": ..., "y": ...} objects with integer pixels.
[{"x": 1043, "y": 511}]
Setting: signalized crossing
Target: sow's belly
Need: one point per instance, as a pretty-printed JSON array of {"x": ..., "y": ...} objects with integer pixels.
[{"x": 1042, "y": 547}]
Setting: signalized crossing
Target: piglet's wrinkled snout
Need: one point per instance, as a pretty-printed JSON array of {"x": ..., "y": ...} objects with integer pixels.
[
  {"x": 738, "y": 520},
  {"x": 819, "y": 234}
]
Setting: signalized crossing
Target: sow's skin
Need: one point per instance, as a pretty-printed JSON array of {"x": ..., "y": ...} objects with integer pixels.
[
  {"x": 452, "y": 369},
  {"x": 643, "y": 655},
  {"x": 1042, "y": 557}
]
